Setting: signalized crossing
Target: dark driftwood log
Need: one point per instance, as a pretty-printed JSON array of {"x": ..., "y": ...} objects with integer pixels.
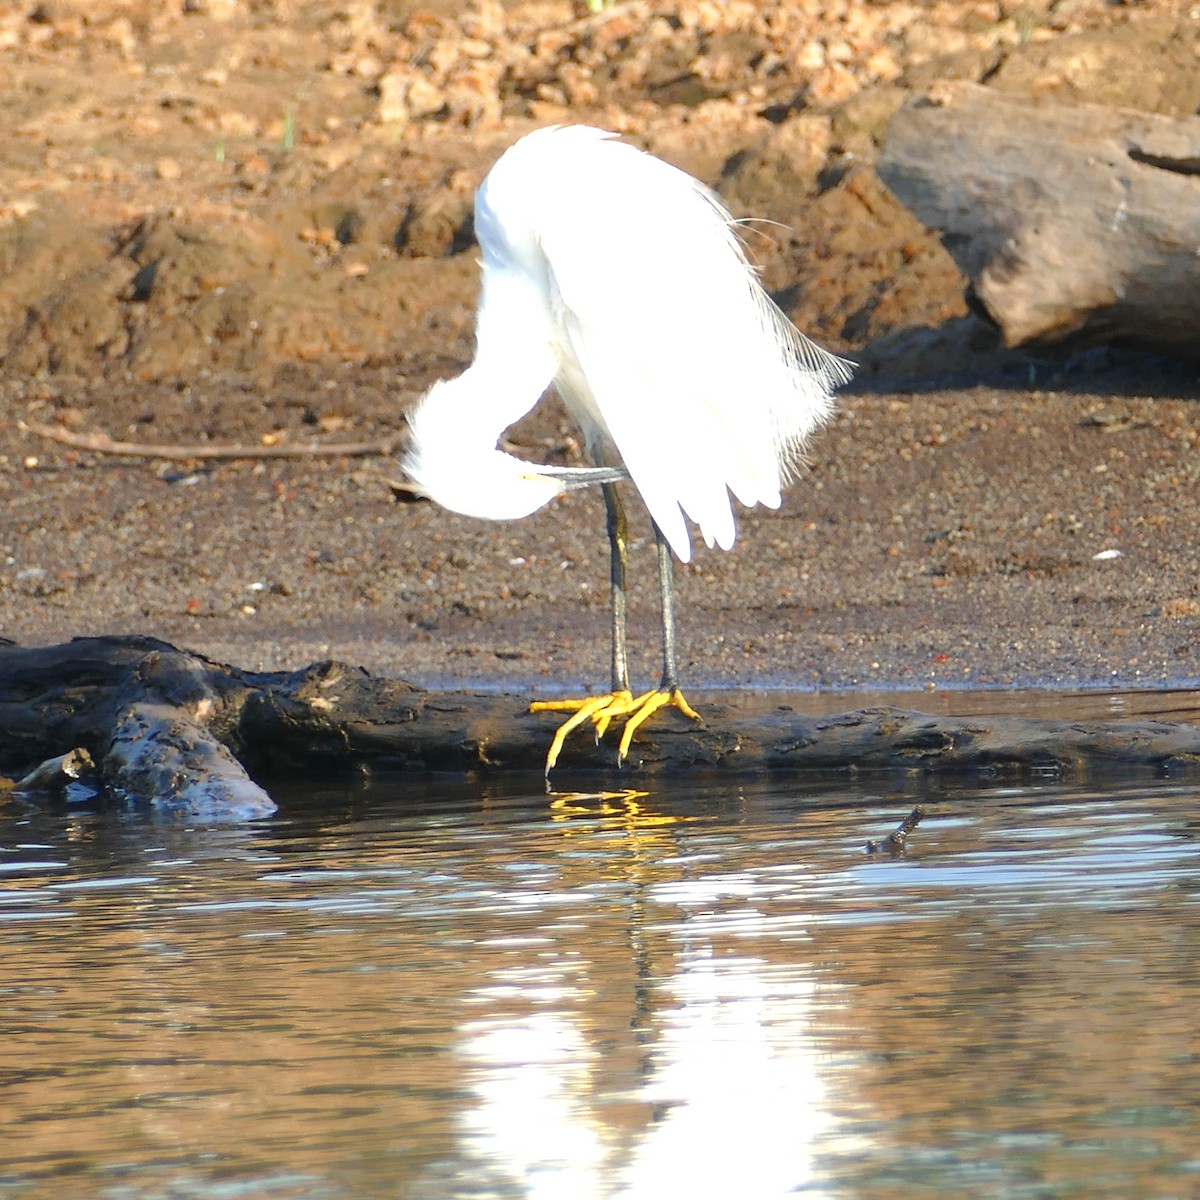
[
  {"x": 180, "y": 733},
  {"x": 1076, "y": 221}
]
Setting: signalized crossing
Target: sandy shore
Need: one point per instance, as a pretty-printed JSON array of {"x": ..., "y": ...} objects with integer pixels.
[
  {"x": 254, "y": 223},
  {"x": 975, "y": 536}
]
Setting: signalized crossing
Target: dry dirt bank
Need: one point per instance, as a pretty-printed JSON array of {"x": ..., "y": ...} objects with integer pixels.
[{"x": 223, "y": 221}]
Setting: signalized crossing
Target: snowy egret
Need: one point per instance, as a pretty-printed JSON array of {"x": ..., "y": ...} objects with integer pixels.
[{"x": 620, "y": 280}]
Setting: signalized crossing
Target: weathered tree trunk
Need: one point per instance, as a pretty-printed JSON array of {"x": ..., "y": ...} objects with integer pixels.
[
  {"x": 177, "y": 732},
  {"x": 1077, "y": 222}
]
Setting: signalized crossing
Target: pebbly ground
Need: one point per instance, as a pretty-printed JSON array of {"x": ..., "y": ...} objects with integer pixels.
[
  {"x": 225, "y": 221},
  {"x": 951, "y": 536}
]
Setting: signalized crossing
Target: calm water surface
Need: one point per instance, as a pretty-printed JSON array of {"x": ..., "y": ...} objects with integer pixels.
[{"x": 436, "y": 991}]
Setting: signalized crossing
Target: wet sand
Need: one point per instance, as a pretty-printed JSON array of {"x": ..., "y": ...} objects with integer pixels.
[{"x": 952, "y": 538}]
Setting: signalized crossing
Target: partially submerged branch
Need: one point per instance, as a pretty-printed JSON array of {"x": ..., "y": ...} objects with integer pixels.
[{"x": 56, "y": 774}]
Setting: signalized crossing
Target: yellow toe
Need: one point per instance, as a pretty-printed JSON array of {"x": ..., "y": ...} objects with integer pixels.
[
  {"x": 677, "y": 701},
  {"x": 603, "y": 710},
  {"x": 651, "y": 703},
  {"x": 582, "y": 710}
]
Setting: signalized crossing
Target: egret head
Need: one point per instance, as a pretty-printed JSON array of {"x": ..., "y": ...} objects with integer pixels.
[{"x": 460, "y": 468}]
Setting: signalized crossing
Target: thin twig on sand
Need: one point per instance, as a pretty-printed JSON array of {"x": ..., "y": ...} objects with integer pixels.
[{"x": 101, "y": 443}]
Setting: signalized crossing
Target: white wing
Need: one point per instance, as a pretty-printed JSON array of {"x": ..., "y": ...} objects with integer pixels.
[{"x": 671, "y": 349}]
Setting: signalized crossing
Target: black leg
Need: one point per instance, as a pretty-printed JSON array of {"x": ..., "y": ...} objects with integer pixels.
[
  {"x": 601, "y": 711},
  {"x": 666, "y": 587},
  {"x": 618, "y": 544}
]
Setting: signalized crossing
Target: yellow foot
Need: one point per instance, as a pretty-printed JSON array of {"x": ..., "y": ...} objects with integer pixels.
[{"x": 601, "y": 710}]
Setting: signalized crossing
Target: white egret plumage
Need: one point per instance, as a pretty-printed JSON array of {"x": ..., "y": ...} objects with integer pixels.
[{"x": 620, "y": 280}]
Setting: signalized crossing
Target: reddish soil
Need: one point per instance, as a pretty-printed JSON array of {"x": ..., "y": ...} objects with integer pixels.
[{"x": 225, "y": 221}]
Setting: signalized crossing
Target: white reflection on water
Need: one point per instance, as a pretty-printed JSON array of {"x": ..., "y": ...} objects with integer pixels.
[
  {"x": 531, "y": 1118},
  {"x": 733, "y": 1078},
  {"x": 737, "y": 1067}
]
